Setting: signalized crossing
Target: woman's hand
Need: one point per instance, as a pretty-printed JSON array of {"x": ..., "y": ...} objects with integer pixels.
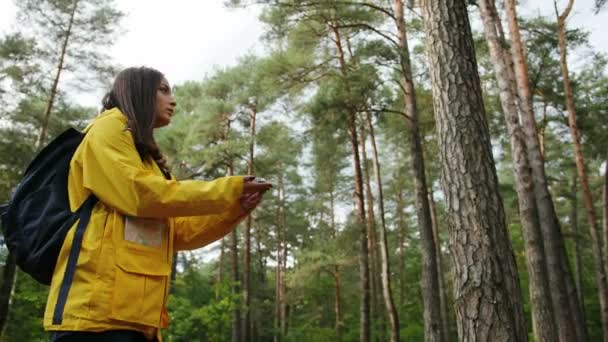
[
  {"x": 252, "y": 185},
  {"x": 253, "y": 191}
]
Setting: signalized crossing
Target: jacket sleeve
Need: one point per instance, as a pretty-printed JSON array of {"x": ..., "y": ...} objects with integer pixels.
[
  {"x": 199, "y": 231},
  {"x": 114, "y": 172}
]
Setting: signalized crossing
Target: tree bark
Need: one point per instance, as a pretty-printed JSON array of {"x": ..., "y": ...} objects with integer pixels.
[
  {"x": 487, "y": 291},
  {"x": 430, "y": 284},
  {"x": 51, "y": 100},
  {"x": 247, "y": 245},
  {"x": 385, "y": 269},
  {"x": 582, "y": 173},
  {"x": 364, "y": 307},
  {"x": 540, "y": 297},
  {"x": 561, "y": 284}
]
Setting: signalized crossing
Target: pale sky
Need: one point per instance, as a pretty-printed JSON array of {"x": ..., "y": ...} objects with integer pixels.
[{"x": 185, "y": 39}]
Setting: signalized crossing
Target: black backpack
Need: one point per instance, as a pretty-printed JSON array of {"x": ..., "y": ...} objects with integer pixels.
[{"x": 38, "y": 215}]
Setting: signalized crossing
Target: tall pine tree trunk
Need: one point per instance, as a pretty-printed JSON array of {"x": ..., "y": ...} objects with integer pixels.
[
  {"x": 540, "y": 297},
  {"x": 385, "y": 268},
  {"x": 364, "y": 307},
  {"x": 247, "y": 242},
  {"x": 430, "y": 284},
  {"x": 596, "y": 243},
  {"x": 561, "y": 284},
  {"x": 487, "y": 292}
]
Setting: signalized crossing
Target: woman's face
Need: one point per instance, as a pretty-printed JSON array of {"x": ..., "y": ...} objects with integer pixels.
[{"x": 165, "y": 104}]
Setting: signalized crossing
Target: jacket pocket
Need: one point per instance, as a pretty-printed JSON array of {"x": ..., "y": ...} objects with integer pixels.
[{"x": 139, "y": 287}]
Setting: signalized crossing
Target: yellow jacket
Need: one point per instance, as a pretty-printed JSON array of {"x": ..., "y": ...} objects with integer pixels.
[{"x": 141, "y": 219}]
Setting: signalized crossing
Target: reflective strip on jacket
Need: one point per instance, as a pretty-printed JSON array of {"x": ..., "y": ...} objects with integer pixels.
[{"x": 141, "y": 219}]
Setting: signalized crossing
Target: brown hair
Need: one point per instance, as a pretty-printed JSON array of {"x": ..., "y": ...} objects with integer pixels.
[{"x": 134, "y": 93}]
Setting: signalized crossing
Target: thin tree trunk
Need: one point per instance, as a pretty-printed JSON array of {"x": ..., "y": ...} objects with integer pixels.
[
  {"x": 220, "y": 271},
  {"x": 234, "y": 255},
  {"x": 364, "y": 308},
  {"x": 488, "y": 299},
  {"x": 277, "y": 291},
  {"x": 445, "y": 320},
  {"x": 6, "y": 291},
  {"x": 385, "y": 269},
  {"x": 430, "y": 284},
  {"x": 236, "y": 312},
  {"x": 371, "y": 229},
  {"x": 247, "y": 247},
  {"x": 283, "y": 287},
  {"x": 336, "y": 273},
  {"x": 51, "y": 100},
  {"x": 401, "y": 222},
  {"x": 582, "y": 173},
  {"x": 542, "y": 131},
  {"x": 605, "y": 206},
  {"x": 578, "y": 264},
  {"x": 540, "y": 297},
  {"x": 561, "y": 284}
]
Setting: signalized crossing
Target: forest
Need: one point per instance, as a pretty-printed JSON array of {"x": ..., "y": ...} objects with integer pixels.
[{"x": 439, "y": 169}]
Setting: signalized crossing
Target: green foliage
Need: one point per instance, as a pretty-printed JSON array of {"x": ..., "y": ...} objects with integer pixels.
[{"x": 25, "y": 317}]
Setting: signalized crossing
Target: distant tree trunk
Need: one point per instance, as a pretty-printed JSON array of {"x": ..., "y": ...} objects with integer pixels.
[
  {"x": 53, "y": 93},
  {"x": 277, "y": 277},
  {"x": 234, "y": 254},
  {"x": 445, "y": 320},
  {"x": 540, "y": 297},
  {"x": 582, "y": 173},
  {"x": 401, "y": 222},
  {"x": 371, "y": 228},
  {"x": 487, "y": 292},
  {"x": 336, "y": 271},
  {"x": 578, "y": 264},
  {"x": 542, "y": 131},
  {"x": 247, "y": 246},
  {"x": 220, "y": 266},
  {"x": 430, "y": 284},
  {"x": 236, "y": 312},
  {"x": 283, "y": 286},
  {"x": 605, "y": 206},
  {"x": 561, "y": 284},
  {"x": 364, "y": 308},
  {"x": 385, "y": 269}
]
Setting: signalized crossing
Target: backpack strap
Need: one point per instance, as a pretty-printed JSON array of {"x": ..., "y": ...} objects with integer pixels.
[{"x": 84, "y": 213}]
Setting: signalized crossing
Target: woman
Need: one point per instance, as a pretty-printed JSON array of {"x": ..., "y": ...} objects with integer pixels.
[{"x": 121, "y": 282}]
